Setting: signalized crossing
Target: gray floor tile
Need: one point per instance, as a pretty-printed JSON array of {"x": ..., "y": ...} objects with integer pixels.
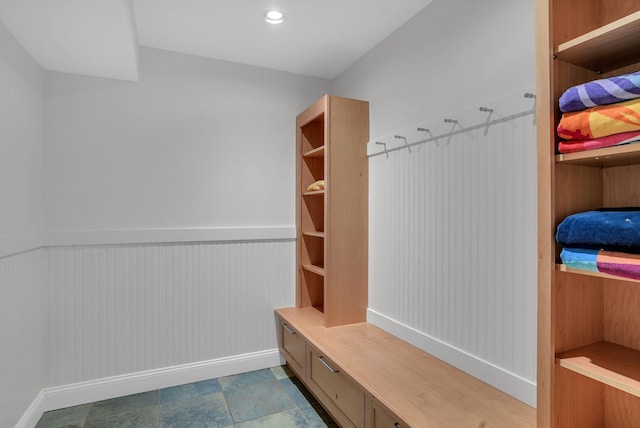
[
  {"x": 257, "y": 400},
  {"x": 106, "y": 408},
  {"x": 182, "y": 392},
  {"x": 244, "y": 379},
  {"x": 263, "y": 398},
  {"x": 143, "y": 417},
  {"x": 297, "y": 392},
  {"x": 67, "y": 418},
  {"x": 317, "y": 417},
  {"x": 282, "y": 372},
  {"x": 205, "y": 411},
  {"x": 290, "y": 419}
]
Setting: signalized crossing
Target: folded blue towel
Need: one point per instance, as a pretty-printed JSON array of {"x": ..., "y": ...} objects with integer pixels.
[
  {"x": 580, "y": 258},
  {"x": 601, "y": 92},
  {"x": 613, "y": 229}
]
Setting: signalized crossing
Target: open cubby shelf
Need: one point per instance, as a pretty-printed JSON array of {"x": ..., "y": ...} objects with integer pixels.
[
  {"x": 605, "y": 48},
  {"x": 315, "y": 153},
  {"x": 318, "y": 270},
  {"x": 608, "y": 363}
]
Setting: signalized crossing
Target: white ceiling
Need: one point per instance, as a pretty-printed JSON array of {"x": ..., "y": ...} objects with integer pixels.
[{"x": 319, "y": 38}]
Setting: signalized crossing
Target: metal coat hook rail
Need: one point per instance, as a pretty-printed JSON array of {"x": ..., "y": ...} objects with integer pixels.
[{"x": 460, "y": 130}]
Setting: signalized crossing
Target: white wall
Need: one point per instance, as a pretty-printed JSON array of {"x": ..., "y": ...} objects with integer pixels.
[
  {"x": 190, "y": 173},
  {"x": 195, "y": 143},
  {"x": 452, "y": 264},
  {"x": 453, "y": 54},
  {"x": 122, "y": 309},
  {"x": 21, "y": 147},
  {"x": 23, "y": 307}
]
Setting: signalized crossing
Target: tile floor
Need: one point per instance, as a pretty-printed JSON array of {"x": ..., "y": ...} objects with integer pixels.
[{"x": 263, "y": 398}]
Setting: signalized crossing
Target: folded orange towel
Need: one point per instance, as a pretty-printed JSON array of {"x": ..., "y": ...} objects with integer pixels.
[
  {"x": 318, "y": 185},
  {"x": 597, "y": 122}
]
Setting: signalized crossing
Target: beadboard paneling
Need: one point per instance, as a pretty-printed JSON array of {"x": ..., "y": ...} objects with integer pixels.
[
  {"x": 23, "y": 312},
  {"x": 453, "y": 241},
  {"x": 129, "y": 308}
]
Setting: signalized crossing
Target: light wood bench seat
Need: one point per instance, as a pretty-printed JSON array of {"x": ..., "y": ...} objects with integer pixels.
[{"x": 405, "y": 383}]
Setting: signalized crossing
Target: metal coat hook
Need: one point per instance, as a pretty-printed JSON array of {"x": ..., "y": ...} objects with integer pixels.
[
  {"x": 492, "y": 118},
  {"x": 490, "y": 111},
  {"x": 454, "y": 122},
  {"x": 530, "y": 95},
  {"x": 400, "y": 137},
  {"x": 384, "y": 145},
  {"x": 430, "y": 134}
]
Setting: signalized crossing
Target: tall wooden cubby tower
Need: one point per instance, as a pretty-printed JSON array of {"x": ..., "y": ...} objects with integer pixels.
[
  {"x": 588, "y": 325},
  {"x": 332, "y": 224}
]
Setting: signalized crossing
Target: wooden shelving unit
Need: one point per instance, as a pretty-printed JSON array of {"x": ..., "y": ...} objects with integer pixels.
[
  {"x": 332, "y": 223},
  {"x": 588, "y": 322}
]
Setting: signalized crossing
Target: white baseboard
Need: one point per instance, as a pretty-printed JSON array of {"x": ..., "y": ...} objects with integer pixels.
[
  {"x": 117, "y": 386},
  {"x": 509, "y": 383}
]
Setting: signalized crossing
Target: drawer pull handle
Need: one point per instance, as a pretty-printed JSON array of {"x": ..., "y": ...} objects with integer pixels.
[
  {"x": 324, "y": 363},
  {"x": 396, "y": 425},
  {"x": 286, "y": 327}
]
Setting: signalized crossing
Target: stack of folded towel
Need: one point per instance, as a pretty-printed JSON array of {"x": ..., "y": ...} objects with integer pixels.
[
  {"x": 601, "y": 113},
  {"x": 605, "y": 240}
]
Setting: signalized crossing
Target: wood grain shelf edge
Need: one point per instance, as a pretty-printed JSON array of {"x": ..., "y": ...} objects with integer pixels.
[
  {"x": 605, "y": 362},
  {"x": 564, "y": 268},
  {"x": 616, "y": 44}
]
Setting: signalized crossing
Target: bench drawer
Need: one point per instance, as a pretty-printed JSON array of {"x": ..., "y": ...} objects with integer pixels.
[
  {"x": 338, "y": 388},
  {"x": 382, "y": 418},
  {"x": 294, "y": 346}
]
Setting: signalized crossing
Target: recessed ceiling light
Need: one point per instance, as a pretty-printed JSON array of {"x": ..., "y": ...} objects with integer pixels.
[{"x": 273, "y": 16}]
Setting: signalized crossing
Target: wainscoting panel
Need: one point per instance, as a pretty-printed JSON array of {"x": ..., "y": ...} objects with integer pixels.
[
  {"x": 23, "y": 311},
  {"x": 129, "y": 308},
  {"x": 453, "y": 240}
]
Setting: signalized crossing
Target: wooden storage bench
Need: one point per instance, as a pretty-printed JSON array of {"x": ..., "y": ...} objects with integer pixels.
[{"x": 365, "y": 377}]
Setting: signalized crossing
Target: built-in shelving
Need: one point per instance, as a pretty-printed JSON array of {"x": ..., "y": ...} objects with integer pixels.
[
  {"x": 605, "y": 362},
  {"x": 596, "y": 384},
  {"x": 332, "y": 265},
  {"x": 605, "y": 48}
]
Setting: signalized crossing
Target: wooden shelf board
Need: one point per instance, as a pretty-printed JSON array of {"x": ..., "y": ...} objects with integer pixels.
[
  {"x": 606, "y": 48},
  {"x": 314, "y": 234},
  {"x": 318, "y": 270},
  {"x": 605, "y": 362},
  {"x": 627, "y": 154},
  {"x": 315, "y": 153},
  {"x": 314, "y": 193},
  {"x": 564, "y": 268}
]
